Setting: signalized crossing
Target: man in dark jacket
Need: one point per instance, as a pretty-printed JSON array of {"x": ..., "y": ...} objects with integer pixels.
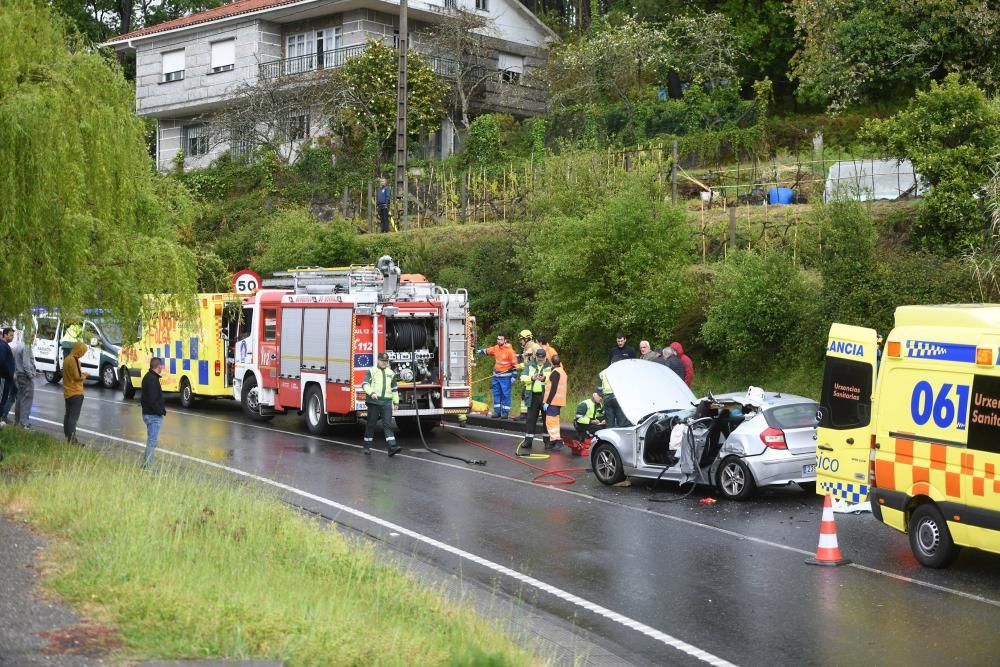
[
  {"x": 6, "y": 373},
  {"x": 621, "y": 350},
  {"x": 672, "y": 361},
  {"x": 153, "y": 408},
  {"x": 383, "y": 197}
]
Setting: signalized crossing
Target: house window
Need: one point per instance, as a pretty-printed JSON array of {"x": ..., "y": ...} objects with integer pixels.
[
  {"x": 197, "y": 140},
  {"x": 224, "y": 55},
  {"x": 241, "y": 143},
  {"x": 298, "y": 126},
  {"x": 483, "y": 5},
  {"x": 511, "y": 67},
  {"x": 173, "y": 65},
  {"x": 299, "y": 52},
  {"x": 395, "y": 40}
]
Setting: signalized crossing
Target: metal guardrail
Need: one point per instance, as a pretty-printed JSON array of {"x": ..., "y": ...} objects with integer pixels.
[{"x": 327, "y": 60}]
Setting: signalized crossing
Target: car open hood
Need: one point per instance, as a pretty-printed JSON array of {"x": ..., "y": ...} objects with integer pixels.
[{"x": 643, "y": 387}]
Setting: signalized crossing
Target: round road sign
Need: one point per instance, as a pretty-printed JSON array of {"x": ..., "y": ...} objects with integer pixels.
[{"x": 246, "y": 282}]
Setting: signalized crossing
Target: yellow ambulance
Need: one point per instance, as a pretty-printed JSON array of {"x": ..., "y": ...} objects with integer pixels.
[
  {"x": 196, "y": 346},
  {"x": 922, "y": 443}
]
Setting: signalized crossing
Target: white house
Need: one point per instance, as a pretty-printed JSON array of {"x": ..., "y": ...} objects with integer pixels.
[{"x": 187, "y": 68}]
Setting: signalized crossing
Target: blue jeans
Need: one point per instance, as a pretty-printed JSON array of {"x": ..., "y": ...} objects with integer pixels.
[
  {"x": 501, "y": 394},
  {"x": 153, "y": 424}
]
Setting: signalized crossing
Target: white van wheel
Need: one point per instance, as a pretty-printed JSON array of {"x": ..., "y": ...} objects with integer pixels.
[
  {"x": 109, "y": 376},
  {"x": 52, "y": 377}
]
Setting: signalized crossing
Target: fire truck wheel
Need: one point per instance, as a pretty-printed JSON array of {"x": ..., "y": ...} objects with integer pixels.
[
  {"x": 608, "y": 466},
  {"x": 109, "y": 377},
  {"x": 187, "y": 394},
  {"x": 315, "y": 412},
  {"x": 251, "y": 400},
  {"x": 930, "y": 538},
  {"x": 52, "y": 378},
  {"x": 128, "y": 391}
]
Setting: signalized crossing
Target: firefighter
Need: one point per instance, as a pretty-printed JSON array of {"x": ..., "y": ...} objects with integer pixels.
[
  {"x": 504, "y": 372},
  {"x": 381, "y": 394},
  {"x": 611, "y": 408},
  {"x": 528, "y": 347},
  {"x": 535, "y": 373},
  {"x": 589, "y": 416},
  {"x": 555, "y": 399}
]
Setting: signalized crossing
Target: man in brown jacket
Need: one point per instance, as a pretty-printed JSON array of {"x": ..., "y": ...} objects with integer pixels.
[{"x": 73, "y": 377}]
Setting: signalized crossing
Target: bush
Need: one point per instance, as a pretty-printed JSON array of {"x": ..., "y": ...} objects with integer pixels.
[
  {"x": 621, "y": 267},
  {"x": 759, "y": 306},
  {"x": 294, "y": 238},
  {"x": 483, "y": 142}
]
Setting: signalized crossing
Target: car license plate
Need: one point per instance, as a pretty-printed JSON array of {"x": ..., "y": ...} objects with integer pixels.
[{"x": 809, "y": 469}]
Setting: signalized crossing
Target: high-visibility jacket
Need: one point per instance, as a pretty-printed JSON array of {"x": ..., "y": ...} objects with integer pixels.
[
  {"x": 380, "y": 386},
  {"x": 531, "y": 369},
  {"x": 549, "y": 351},
  {"x": 505, "y": 356},
  {"x": 604, "y": 385},
  {"x": 587, "y": 411},
  {"x": 555, "y": 386}
]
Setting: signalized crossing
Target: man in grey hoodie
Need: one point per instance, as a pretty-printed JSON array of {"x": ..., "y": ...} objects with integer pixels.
[{"x": 24, "y": 377}]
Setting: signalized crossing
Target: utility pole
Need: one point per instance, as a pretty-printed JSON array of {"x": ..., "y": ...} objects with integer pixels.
[{"x": 401, "y": 198}]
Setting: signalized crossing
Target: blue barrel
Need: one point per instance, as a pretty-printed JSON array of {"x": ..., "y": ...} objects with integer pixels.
[{"x": 781, "y": 196}]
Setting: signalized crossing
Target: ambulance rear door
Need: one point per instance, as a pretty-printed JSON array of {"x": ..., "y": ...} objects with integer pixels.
[{"x": 843, "y": 439}]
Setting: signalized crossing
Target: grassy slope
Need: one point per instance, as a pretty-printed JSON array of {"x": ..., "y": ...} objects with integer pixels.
[{"x": 192, "y": 567}]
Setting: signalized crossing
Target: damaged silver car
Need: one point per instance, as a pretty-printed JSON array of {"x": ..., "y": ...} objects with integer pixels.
[{"x": 736, "y": 442}]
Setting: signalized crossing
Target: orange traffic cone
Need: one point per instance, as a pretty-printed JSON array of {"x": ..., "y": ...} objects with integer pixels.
[{"x": 828, "y": 553}]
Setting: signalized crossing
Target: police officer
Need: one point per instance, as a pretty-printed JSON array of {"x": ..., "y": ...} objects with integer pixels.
[
  {"x": 534, "y": 376},
  {"x": 381, "y": 393}
]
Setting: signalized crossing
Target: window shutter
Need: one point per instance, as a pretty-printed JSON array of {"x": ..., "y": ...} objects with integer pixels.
[
  {"x": 173, "y": 61},
  {"x": 223, "y": 54},
  {"x": 511, "y": 62}
]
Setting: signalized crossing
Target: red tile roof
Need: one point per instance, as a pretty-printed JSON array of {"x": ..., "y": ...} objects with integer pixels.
[{"x": 225, "y": 11}]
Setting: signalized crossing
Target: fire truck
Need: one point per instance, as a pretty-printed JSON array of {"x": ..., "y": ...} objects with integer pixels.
[{"x": 307, "y": 346}]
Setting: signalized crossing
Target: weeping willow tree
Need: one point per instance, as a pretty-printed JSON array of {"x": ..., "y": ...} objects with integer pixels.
[{"x": 84, "y": 220}]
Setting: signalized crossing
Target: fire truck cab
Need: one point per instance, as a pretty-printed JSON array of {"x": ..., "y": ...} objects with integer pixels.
[{"x": 307, "y": 345}]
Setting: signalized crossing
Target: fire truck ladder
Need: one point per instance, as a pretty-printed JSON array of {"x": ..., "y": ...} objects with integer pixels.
[{"x": 317, "y": 280}]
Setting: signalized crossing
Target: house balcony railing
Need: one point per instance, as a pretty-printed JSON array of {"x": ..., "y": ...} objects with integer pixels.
[{"x": 328, "y": 60}]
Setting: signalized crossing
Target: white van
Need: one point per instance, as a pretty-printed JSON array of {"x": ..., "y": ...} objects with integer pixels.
[{"x": 54, "y": 339}]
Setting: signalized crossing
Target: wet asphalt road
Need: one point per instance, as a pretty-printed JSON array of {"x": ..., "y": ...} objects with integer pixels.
[{"x": 728, "y": 579}]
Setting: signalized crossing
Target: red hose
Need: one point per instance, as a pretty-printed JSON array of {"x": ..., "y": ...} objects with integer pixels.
[{"x": 562, "y": 475}]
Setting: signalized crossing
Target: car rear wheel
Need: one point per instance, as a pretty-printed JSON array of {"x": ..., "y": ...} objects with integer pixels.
[
  {"x": 930, "y": 538},
  {"x": 734, "y": 479},
  {"x": 187, "y": 394},
  {"x": 608, "y": 465},
  {"x": 52, "y": 377},
  {"x": 109, "y": 376},
  {"x": 251, "y": 400},
  {"x": 128, "y": 391},
  {"x": 315, "y": 412}
]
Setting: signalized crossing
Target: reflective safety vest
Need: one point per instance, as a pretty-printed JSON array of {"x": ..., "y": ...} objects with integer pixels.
[
  {"x": 506, "y": 358},
  {"x": 587, "y": 411},
  {"x": 604, "y": 385},
  {"x": 380, "y": 386},
  {"x": 561, "y": 381},
  {"x": 549, "y": 351},
  {"x": 531, "y": 369}
]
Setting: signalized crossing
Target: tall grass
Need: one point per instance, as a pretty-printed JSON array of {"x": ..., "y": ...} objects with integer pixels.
[{"x": 189, "y": 565}]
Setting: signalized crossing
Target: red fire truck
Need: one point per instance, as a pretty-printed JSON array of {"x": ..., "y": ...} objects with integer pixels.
[{"x": 306, "y": 347}]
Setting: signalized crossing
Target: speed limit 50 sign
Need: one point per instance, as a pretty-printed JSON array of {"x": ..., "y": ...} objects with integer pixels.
[{"x": 246, "y": 282}]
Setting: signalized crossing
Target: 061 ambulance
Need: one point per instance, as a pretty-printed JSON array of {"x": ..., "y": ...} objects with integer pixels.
[
  {"x": 195, "y": 345},
  {"x": 923, "y": 441}
]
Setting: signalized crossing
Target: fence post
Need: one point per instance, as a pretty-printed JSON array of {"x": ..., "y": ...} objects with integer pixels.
[
  {"x": 673, "y": 172},
  {"x": 732, "y": 227},
  {"x": 464, "y": 196}
]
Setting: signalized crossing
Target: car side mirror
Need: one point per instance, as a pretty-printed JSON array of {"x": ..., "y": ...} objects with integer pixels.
[
  {"x": 94, "y": 342},
  {"x": 225, "y": 336}
]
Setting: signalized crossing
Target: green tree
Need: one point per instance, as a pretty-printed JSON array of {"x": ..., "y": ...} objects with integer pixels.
[
  {"x": 293, "y": 237},
  {"x": 78, "y": 197},
  {"x": 951, "y": 133},
  {"x": 361, "y": 97}
]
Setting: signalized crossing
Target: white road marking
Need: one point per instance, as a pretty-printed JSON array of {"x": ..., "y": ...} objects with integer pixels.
[
  {"x": 566, "y": 596},
  {"x": 589, "y": 498}
]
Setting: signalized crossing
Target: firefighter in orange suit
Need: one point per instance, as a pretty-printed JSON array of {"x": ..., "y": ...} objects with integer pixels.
[
  {"x": 504, "y": 372},
  {"x": 556, "y": 385}
]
